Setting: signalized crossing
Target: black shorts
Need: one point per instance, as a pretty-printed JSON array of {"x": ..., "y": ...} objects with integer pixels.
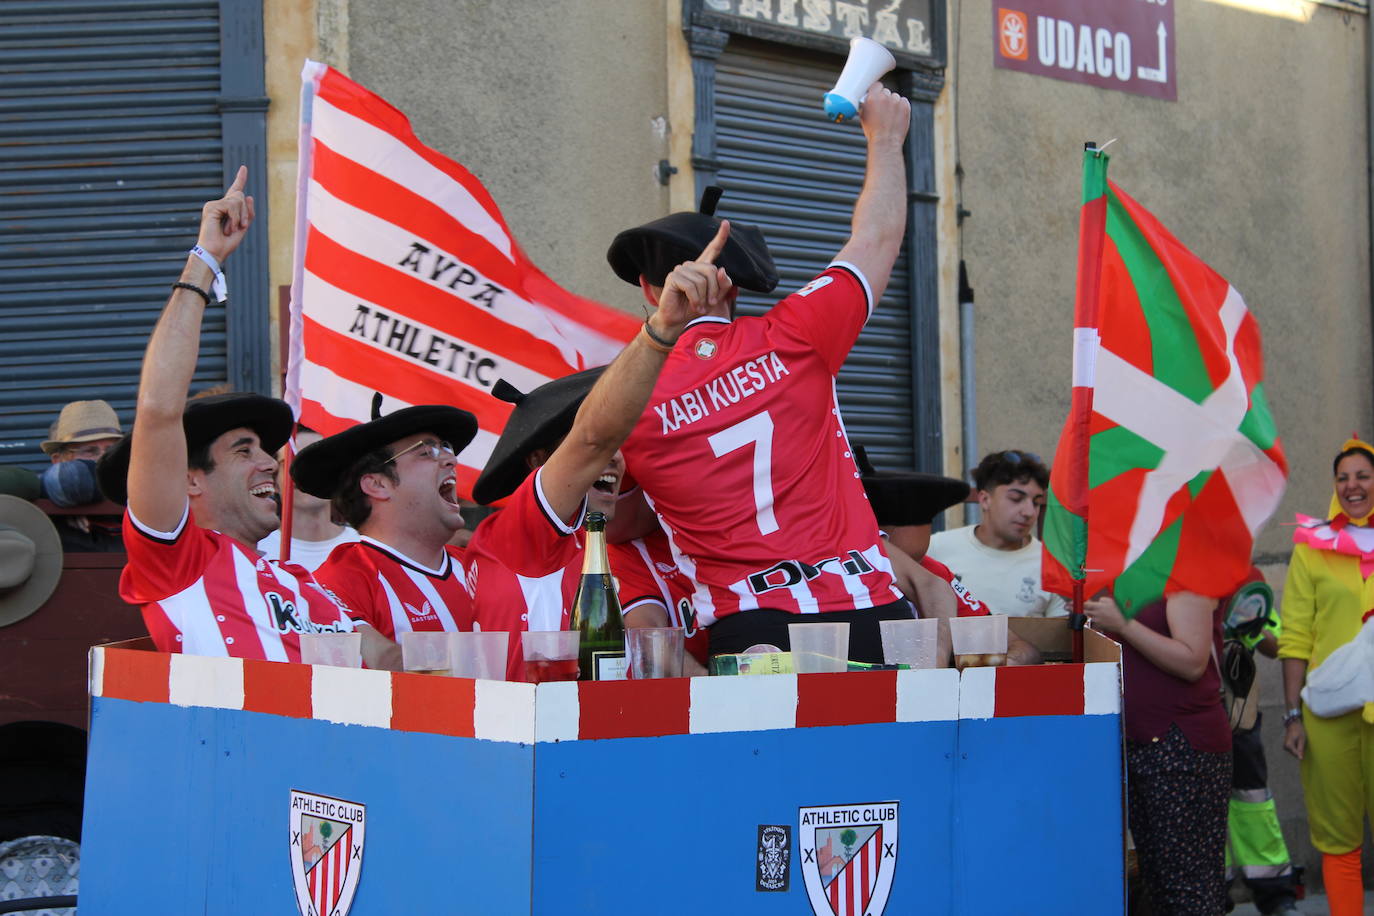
[{"x": 739, "y": 631}]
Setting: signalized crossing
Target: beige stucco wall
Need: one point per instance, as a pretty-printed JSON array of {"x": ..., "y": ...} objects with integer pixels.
[
  {"x": 560, "y": 109},
  {"x": 1259, "y": 167}
]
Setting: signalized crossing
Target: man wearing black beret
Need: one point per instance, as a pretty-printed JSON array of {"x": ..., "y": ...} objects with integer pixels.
[
  {"x": 742, "y": 452},
  {"x": 199, "y": 482},
  {"x": 558, "y": 457},
  {"x": 394, "y": 479}
]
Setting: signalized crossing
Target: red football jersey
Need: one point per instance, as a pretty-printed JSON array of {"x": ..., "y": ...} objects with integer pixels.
[
  {"x": 523, "y": 565},
  {"x": 743, "y": 455},
  {"x": 969, "y": 606},
  {"x": 204, "y": 593},
  {"x": 394, "y": 593},
  {"x": 646, "y": 573}
]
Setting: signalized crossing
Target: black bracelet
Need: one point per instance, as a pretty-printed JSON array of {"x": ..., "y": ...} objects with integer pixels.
[
  {"x": 666, "y": 344},
  {"x": 195, "y": 289}
]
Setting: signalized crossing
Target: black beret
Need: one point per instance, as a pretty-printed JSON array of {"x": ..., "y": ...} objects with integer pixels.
[
  {"x": 204, "y": 420},
  {"x": 655, "y": 248},
  {"x": 320, "y": 466},
  {"x": 908, "y": 497},
  {"x": 540, "y": 417}
]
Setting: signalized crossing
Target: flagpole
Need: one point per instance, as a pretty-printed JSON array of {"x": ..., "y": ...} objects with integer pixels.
[
  {"x": 287, "y": 489},
  {"x": 1092, "y": 228}
]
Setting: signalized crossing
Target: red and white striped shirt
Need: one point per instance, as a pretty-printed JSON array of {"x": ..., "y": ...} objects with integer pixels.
[
  {"x": 647, "y": 575},
  {"x": 396, "y": 594},
  {"x": 969, "y": 606},
  {"x": 523, "y": 566},
  {"x": 744, "y": 457},
  {"x": 204, "y": 593}
]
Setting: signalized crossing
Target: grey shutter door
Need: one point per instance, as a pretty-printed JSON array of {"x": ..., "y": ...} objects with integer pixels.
[
  {"x": 110, "y": 141},
  {"x": 796, "y": 175}
]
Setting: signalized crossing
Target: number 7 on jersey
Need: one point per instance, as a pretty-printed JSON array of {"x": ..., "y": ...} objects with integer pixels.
[{"x": 756, "y": 431}]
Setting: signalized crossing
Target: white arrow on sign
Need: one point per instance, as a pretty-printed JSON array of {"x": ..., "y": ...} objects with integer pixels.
[{"x": 1158, "y": 74}]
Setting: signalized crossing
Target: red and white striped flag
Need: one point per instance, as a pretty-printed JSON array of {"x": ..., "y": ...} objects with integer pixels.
[{"x": 407, "y": 280}]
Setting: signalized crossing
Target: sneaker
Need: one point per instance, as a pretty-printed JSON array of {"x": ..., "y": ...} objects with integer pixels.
[{"x": 1286, "y": 908}]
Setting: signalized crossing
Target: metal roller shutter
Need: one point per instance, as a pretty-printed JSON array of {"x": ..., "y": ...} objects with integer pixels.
[
  {"x": 796, "y": 175},
  {"x": 110, "y": 140}
]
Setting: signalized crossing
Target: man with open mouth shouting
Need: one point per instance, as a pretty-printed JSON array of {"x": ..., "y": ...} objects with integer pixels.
[
  {"x": 199, "y": 482},
  {"x": 393, "y": 479}
]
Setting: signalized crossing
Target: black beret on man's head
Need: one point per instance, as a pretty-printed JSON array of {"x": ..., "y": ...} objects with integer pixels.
[
  {"x": 205, "y": 419},
  {"x": 540, "y": 419},
  {"x": 655, "y": 248}
]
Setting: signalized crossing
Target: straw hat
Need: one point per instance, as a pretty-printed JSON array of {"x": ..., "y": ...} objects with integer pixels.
[
  {"x": 82, "y": 421},
  {"x": 30, "y": 559}
]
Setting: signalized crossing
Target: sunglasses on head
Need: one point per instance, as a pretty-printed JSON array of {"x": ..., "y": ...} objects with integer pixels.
[{"x": 1018, "y": 457}]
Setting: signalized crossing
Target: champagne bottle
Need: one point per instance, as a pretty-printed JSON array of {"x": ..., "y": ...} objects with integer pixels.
[{"x": 596, "y": 610}]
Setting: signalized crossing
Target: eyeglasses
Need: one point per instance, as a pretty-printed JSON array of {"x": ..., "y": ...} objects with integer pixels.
[{"x": 428, "y": 447}]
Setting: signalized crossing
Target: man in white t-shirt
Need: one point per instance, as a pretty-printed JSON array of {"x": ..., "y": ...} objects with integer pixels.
[
  {"x": 314, "y": 533},
  {"x": 999, "y": 558}
]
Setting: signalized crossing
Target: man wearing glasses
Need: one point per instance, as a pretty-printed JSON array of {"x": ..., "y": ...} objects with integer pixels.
[
  {"x": 394, "y": 480},
  {"x": 999, "y": 558}
]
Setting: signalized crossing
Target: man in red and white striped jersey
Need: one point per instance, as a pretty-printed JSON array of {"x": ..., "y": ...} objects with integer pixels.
[
  {"x": 559, "y": 456},
  {"x": 742, "y": 452},
  {"x": 654, "y": 592},
  {"x": 198, "y": 479},
  {"x": 394, "y": 480}
]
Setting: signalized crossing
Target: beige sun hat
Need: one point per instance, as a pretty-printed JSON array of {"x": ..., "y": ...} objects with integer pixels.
[
  {"x": 82, "y": 421},
  {"x": 30, "y": 559}
]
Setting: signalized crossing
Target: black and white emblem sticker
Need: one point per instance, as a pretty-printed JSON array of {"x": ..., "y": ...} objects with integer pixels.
[{"x": 775, "y": 858}]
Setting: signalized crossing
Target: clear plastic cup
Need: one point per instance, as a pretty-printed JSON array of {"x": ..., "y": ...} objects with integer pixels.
[
  {"x": 978, "y": 641},
  {"x": 479, "y": 655},
  {"x": 550, "y": 655},
  {"x": 819, "y": 647},
  {"x": 911, "y": 642},
  {"x": 341, "y": 650},
  {"x": 654, "y": 651},
  {"x": 426, "y": 653}
]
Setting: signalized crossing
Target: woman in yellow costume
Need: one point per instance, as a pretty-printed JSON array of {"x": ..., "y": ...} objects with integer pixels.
[{"x": 1329, "y": 589}]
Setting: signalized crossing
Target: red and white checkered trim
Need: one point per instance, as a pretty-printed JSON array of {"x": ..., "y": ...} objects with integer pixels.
[{"x": 501, "y": 711}]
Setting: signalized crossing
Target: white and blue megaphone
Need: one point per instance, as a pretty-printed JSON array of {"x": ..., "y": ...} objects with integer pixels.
[{"x": 868, "y": 61}]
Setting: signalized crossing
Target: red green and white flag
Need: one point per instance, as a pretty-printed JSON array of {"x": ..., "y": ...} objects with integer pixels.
[{"x": 1169, "y": 463}]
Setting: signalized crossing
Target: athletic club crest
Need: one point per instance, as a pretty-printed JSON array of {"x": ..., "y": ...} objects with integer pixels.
[
  {"x": 848, "y": 857},
  {"x": 706, "y": 348},
  {"x": 326, "y": 852}
]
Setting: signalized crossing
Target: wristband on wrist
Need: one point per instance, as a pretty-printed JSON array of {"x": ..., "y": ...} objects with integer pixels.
[
  {"x": 1293, "y": 715},
  {"x": 221, "y": 290},
  {"x": 658, "y": 343},
  {"x": 195, "y": 289}
]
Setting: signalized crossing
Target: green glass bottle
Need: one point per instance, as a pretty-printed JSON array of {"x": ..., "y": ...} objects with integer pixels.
[{"x": 596, "y": 610}]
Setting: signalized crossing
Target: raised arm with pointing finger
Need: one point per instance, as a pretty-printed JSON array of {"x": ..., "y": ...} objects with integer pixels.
[
  {"x": 742, "y": 453},
  {"x": 559, "y": 456},
  {"x": 199, "y": 481}
]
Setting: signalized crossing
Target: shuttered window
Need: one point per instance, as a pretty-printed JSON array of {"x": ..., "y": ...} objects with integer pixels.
[
  {"x": 111, "y": 138},
  {"x": 795, "y": 175}
]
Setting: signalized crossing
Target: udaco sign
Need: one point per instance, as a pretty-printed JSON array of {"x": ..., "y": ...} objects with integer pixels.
[{"x": 1115, "y": 44}]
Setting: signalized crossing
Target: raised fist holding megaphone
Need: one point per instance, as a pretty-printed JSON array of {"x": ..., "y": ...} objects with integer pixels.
[{"x": 868, "y": 61}]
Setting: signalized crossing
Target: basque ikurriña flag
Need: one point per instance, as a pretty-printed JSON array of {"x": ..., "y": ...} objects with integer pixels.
[
  {"x": 1169, "y": 462},
  {"x": 408, "y": 282}
]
